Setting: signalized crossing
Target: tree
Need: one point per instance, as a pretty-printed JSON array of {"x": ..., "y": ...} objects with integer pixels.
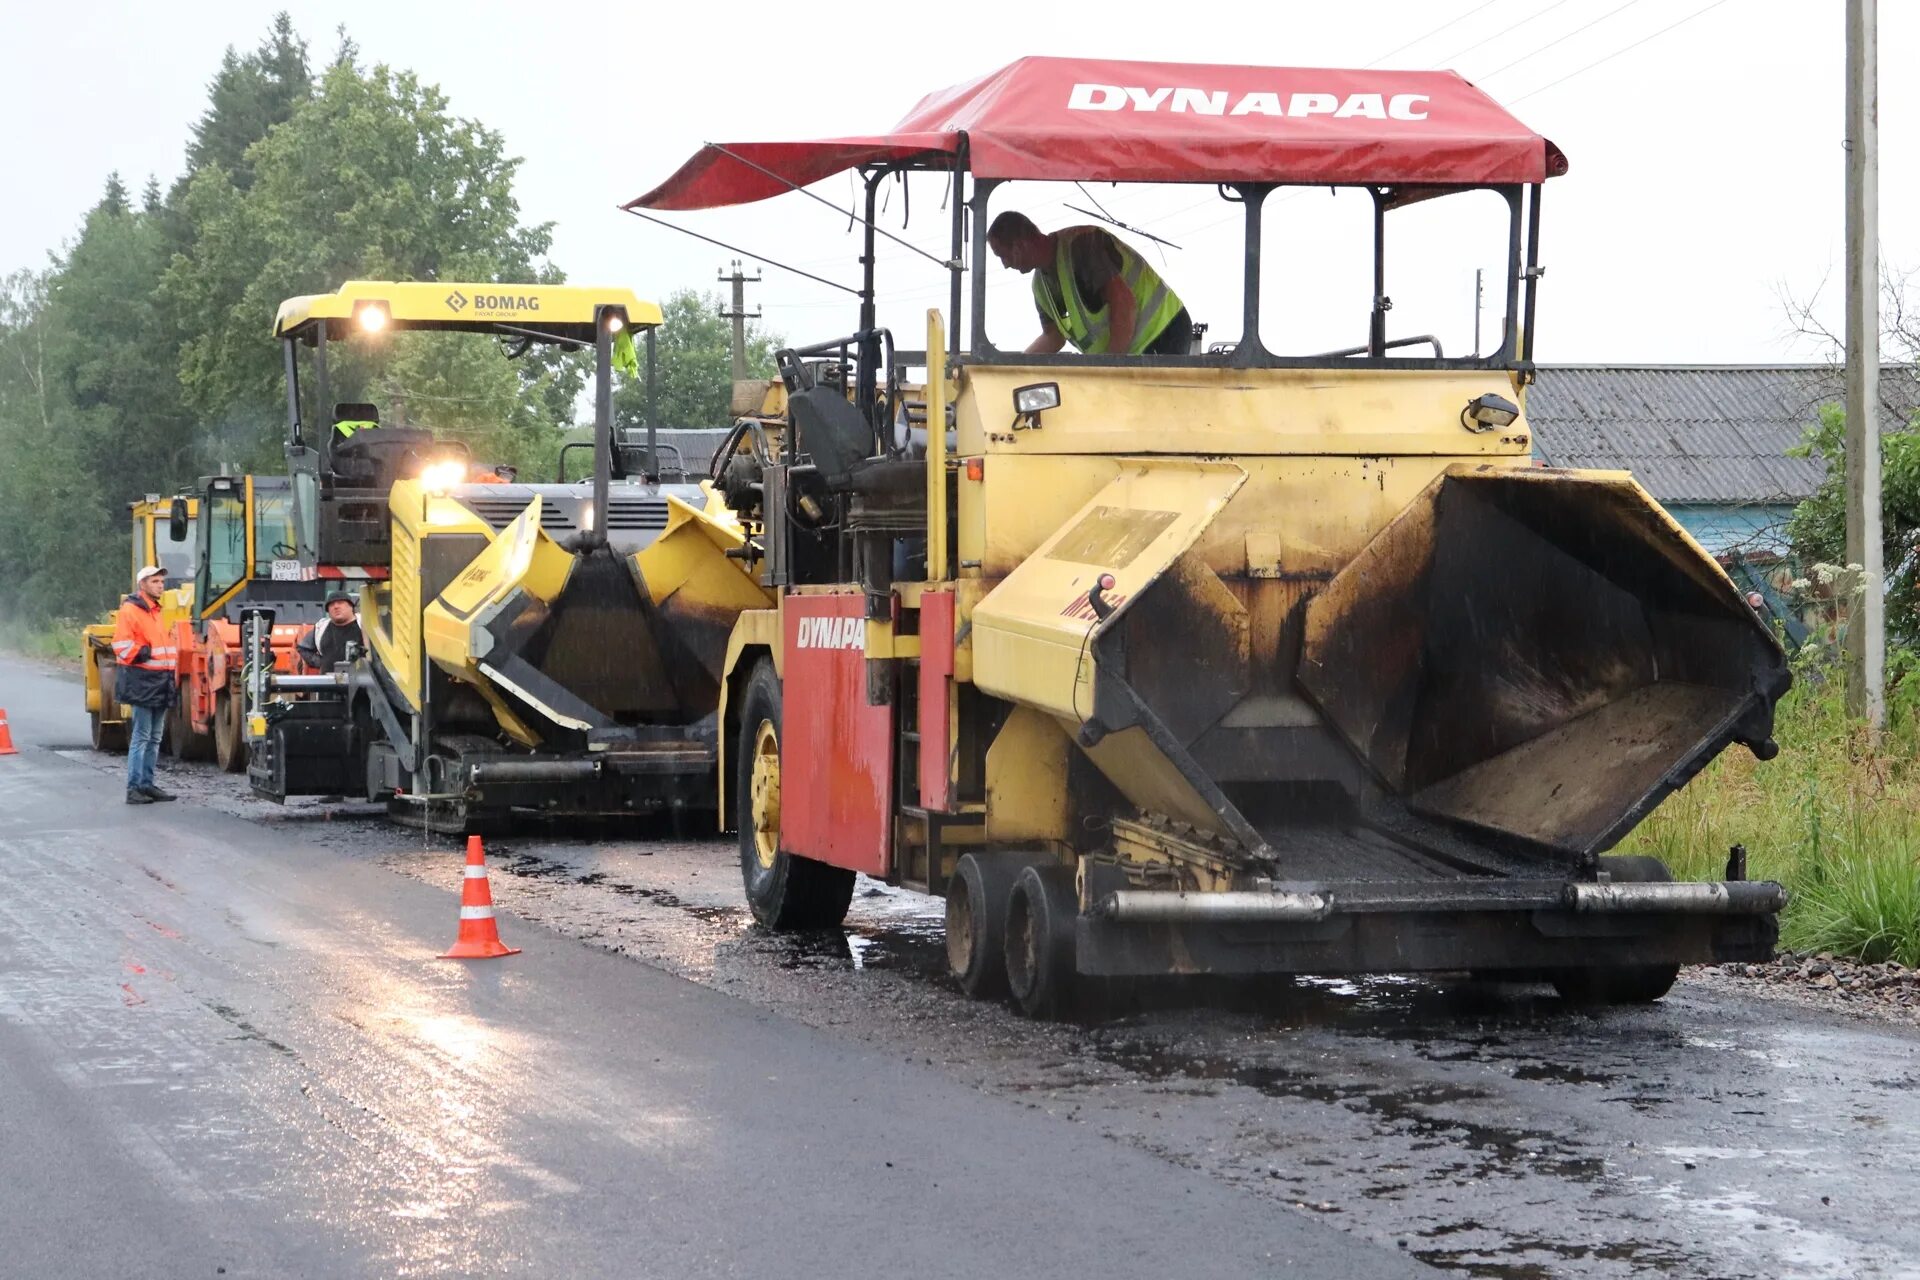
[
  {"x": 141, "y": 358},
  {"x": 1818, "y": 529},
  {"x": 694, "y": 357},
  {"x": 372, "y": 178},
  {"x": 247, "y": 98}
]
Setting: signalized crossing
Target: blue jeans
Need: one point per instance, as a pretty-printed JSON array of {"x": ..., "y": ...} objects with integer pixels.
[{"x": 143, "y": 745}]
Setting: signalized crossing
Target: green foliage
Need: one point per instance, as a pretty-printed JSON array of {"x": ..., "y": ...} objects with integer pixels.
[
  {"x": 1818, "y": 529},
  {"x": 247, "y": 98},
  {"x": 141, "y": 358},
  {"x": 1833, "y": 818},
  {"x": 694, "y": 355}
]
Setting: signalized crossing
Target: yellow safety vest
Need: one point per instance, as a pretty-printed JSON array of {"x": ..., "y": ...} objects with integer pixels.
[
  {"x": 348, "y": 426},
  {"x": 1057, "y": 294}
]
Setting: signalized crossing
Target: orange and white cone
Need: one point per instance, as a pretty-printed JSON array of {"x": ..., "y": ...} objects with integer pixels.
[
  {"x": 6, "y": 736},
  {"x": 479, "y": 936}
]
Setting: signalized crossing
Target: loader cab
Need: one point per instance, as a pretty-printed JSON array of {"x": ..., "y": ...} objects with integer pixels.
[
  {"x": 246, "y": 552},
  {"x": 163, "y": 534}
]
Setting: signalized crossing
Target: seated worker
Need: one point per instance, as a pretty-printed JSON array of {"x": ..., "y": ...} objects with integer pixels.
[
  {"x": 325, "y": 645},
  {"x": 1092, "y": 290}
]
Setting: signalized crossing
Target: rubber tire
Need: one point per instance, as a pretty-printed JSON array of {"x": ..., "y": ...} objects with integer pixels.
[
  {"x": 1040, "y": 940},
  {"x": 1621, "y": 984},
  {"x": 795, "y": 894},
  {"x": 977, "y": 921},
  {"x": 229, "y": 734},
  {"x": 111, "y": 738},
  {"x": 182, "y": 742}
]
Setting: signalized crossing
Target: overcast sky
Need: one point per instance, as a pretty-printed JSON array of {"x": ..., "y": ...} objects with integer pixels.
[{"x": 1707, "y": 165}]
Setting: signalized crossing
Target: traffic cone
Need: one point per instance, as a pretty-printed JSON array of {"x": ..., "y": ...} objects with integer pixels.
[
  {"x": 6, "y": 736},
  {"x": 479, "y": 936}
]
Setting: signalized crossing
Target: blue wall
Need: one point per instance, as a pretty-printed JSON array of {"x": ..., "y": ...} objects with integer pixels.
[{"x": 1721, "y": 529}]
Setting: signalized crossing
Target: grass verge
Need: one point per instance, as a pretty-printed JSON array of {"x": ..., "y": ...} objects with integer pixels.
[
  {"x": 1833, "y": 818},
  {"x": 57, "y": 641}
]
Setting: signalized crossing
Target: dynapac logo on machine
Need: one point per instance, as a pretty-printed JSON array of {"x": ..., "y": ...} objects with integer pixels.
[
  {"x": 1222, "y": 102},
  {"x": 832, "y": 633}
]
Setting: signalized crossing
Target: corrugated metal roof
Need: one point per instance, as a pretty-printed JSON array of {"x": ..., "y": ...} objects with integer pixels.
[{"x": 1698, "y": 433}]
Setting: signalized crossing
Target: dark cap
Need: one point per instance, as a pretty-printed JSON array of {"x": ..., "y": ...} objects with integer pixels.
[{"x": 339, "y": 597}]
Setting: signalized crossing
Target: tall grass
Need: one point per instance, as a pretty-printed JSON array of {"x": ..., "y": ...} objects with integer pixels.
[
  {"x": 57, "y": 641},
  {"x": 1835, "y": 818}
]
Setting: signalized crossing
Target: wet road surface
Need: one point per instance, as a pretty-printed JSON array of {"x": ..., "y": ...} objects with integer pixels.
[{"x": 1485, "y": 1131}]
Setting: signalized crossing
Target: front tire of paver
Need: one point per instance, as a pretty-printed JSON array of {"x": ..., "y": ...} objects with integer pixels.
[
  {"x": 977, "y": 921},
  {"x": 1621, "y": 984},
  {"x": 1039, "y": 941},
  {"x": 785, "y": 891}
]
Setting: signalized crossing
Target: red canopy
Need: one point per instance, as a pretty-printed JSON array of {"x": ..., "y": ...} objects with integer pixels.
[{"x": 1097, "y": 120}]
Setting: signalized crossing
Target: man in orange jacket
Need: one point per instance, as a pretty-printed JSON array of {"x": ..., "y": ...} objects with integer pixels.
[{"x": 145, "y": 679}]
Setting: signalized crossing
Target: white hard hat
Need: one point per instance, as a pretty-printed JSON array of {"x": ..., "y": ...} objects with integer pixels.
[{"x": 148, "y": 571}]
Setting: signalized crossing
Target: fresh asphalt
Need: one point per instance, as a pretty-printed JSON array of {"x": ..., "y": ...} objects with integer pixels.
[{"x": 227, "y": 1049}]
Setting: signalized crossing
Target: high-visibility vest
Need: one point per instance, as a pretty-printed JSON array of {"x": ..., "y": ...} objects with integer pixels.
[
  {"x": 348, "y": 426},
  {"x": 137, "y": 626},
  {"x": 1057, "y": 294}
]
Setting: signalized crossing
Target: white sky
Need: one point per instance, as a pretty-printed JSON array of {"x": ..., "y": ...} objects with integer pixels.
[{"x": 1707, "y": 165}]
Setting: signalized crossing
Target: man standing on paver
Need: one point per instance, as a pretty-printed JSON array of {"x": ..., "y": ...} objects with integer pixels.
[{"x": 145, "y": 680}]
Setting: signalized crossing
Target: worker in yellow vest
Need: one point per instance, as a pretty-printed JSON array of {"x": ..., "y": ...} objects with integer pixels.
[{"x": 1092, "y": 290}]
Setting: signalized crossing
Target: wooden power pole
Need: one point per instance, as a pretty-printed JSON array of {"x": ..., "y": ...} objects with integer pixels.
[
  {"x": 739, "y": 315},
  {"x": 1866, "y": 621}
]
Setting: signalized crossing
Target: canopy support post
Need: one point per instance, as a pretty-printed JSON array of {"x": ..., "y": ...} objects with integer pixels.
[
  {"x": 1532, "y": 274},
  {"x": 1377, "y": 322},
  {"x": 1250, "y": 344},
  {"x": 956, "y": 269},
  {"x": 982, "y": 193}
]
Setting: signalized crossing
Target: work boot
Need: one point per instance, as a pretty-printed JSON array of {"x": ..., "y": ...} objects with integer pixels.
[
  {"x": 155, "y": 793},
  {"x": 137, "y": 796}
]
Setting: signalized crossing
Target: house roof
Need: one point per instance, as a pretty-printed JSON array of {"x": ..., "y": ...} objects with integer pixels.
[{"x": 1699, "y": 433}]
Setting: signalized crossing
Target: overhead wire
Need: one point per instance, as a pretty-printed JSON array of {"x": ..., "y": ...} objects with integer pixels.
[
  {"x": 1454, "y": 21},
  {"x": 1506, "y": 30},
  {"x": 1617, "y": 52},
  {"x": 1559, "y": 39}
]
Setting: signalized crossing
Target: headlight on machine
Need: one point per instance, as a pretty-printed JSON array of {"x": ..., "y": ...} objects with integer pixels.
[{"x": 438, "y": 477}]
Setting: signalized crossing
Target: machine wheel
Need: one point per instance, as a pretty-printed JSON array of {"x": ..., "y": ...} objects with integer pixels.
[
  {"x": 229, "y": 734},
  {"x": 1039, "y": 942},
  {"x": 977, "y": 921},
  {"x": 106, "y": 735},
  {"x": 785, "y": 890},
  {"x": 182, "y": 741},
  {"x": 1621, "y": 984}
]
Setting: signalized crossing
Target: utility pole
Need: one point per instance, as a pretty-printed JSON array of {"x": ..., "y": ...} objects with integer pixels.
[
  {"x": 1866, "y": 621},
  {"x": 739, "y": 315}
]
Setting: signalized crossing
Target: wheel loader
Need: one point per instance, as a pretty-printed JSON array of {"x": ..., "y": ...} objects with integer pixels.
[
  {"x": 1255, "y": 660},
  {"x": 547, "y": 648},
  {"x": 229, "y": 543},
  {"x": 163, "y": 533}
]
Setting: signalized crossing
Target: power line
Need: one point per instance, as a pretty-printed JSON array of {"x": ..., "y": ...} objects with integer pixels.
[
  {"x": 1488, "y": 4},
  {"x": 1558, "y": 40},
  {"x": 1617, "y": 52},
  {"x": 1510, "y": 27}
]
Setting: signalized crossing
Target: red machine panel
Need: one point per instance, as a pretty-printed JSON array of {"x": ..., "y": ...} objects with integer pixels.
[
  {"x": 936, "y": 672},
  {"x": 836, "y": 752}
]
